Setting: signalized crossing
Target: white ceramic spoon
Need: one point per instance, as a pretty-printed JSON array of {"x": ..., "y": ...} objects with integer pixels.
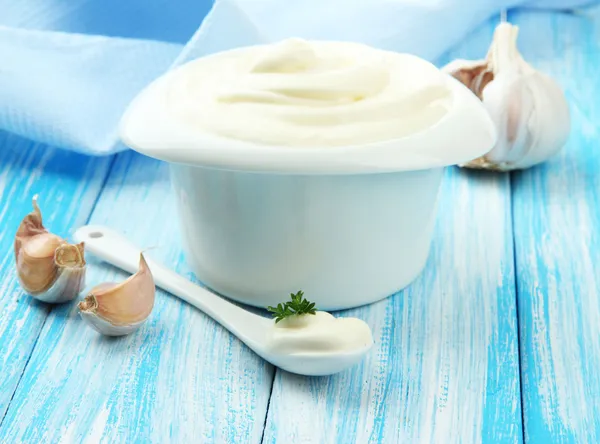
[{"x": 251, "y": 329}]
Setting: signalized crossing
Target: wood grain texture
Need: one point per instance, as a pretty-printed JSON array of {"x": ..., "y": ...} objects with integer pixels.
[
  {"x": 445, "y": 365},
  {"x": 180, "y": 378},
  {"x": 68, "y": 185},
  {"x": 557, "y": 243}
]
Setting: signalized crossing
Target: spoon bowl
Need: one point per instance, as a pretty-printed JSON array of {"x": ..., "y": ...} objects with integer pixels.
[
  {"x": 252, "y": 329},
  {"x": 318, "y": 364}
]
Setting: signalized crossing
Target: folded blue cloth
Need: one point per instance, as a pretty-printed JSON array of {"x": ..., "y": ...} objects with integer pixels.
[{"x": 69, "y": 68}]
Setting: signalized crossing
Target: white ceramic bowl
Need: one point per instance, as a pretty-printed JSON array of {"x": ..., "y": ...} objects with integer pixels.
[{"x": 347, "y": 225}]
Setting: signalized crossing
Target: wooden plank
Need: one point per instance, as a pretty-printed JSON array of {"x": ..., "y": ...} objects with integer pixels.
[
  {"x": 557, "y": 221},
  {"x": 180, "y": 378},
  {"x": 445, "y": 365},
  {"x": 68, "y": 185}
]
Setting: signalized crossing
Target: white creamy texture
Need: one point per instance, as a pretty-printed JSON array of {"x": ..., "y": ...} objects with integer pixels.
[
  {"x": 319, "y": 333},
  {"x": 309, "y": 94}
]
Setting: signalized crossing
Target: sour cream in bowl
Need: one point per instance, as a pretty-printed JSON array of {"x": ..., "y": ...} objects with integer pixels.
[{"x": 307, "y": 164}]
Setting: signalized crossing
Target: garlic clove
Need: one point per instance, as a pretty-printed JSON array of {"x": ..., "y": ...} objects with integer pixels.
[
  {"x": 473, "y": 73},
  {"x": 528, "y": 107},
  {"x": 119, "y": 309},
  {"x": 48, "y": 267}
]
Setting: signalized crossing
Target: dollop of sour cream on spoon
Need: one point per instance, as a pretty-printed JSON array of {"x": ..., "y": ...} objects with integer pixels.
[{"x": 319, "y": 333}]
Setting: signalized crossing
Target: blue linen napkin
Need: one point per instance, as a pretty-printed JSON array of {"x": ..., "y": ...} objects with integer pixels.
[{"x": 69, "y": 68}]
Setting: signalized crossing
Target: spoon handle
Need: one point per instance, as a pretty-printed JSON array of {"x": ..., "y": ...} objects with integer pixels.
[{"x": 115, "y": 249}]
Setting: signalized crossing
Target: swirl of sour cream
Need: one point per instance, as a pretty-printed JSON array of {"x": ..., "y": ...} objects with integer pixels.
[{"x": 300, "y": 93}]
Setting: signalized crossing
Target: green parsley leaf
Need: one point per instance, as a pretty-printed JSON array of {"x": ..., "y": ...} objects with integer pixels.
[{"x": 296, "y": 306}]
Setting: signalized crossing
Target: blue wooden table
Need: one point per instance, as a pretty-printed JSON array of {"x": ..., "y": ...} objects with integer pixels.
[{"x": 498, "y": 341}]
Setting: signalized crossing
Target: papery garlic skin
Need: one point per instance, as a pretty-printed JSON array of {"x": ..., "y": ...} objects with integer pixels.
[
  {"x": 528, "y": 107},
  {"x": 70, "y": 276},
  {"x": 119, "y": 309},
  {"x": 48, "y": 267}
]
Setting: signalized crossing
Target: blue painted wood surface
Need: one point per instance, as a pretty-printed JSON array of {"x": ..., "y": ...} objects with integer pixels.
[
  {"x": 556, "y": 210},
  {"x": 68, "y": 185},
  {"x": 451, "y": 362},
  {"x": 180, "y": 378},
  {"x": 445, "y": 368}
]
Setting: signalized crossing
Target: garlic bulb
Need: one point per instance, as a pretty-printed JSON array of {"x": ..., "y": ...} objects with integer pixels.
[
  {"x": 119, "y": 309},
  {"x": 49, "y": 268},
  {"x": 529, "y": 108}
]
